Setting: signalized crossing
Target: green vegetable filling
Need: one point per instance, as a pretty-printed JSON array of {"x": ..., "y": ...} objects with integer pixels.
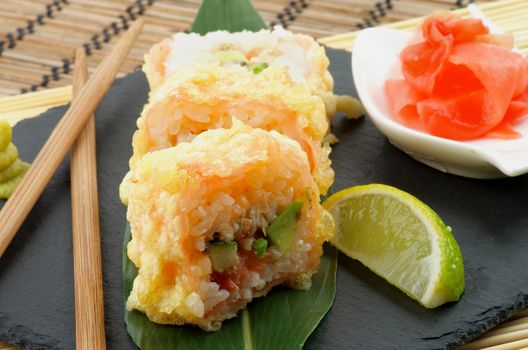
[
  {"x": 257, "y": 68},
  {"x": 260, "y": 245},
  {"x": 281, "y": 231},
  {"x": 223, "y": 255}
]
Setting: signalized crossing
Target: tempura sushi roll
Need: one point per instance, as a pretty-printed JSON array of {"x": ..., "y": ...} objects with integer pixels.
[
  {"x": 219, "y": 221},
  {"x": 304, "y": 59},
  {"x": 206, "y": 97}
]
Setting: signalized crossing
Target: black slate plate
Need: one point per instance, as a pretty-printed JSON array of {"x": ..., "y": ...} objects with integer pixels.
[{"x": 489, "y": 219}]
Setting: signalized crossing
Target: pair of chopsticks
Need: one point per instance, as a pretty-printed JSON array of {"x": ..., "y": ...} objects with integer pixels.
[{"x": 76, "y": 126}]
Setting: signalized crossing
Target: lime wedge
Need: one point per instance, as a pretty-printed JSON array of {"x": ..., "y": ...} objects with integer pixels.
[{"x": 401, "y": 239}]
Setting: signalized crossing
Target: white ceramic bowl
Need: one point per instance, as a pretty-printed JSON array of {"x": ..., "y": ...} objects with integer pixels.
[{"x": 375, "y": 59}]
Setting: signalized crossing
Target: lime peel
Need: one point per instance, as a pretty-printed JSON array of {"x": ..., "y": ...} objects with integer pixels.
[{"x": 401, "y": 239}]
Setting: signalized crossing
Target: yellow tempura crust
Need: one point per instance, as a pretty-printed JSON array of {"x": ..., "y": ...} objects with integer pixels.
[
  {"x": 207, "y": 96},
  {"x": 232, "y": 182}
]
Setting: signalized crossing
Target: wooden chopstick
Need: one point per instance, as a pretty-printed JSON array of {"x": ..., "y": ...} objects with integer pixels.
[
  {"x": 61, "y": 139},
  {"x": 87, "y": 268}
]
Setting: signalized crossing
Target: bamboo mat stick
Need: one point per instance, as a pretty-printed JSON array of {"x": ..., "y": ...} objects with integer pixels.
[
  {"x": 14, "y": 117},
  {"x": 61, "y": 139},
  {"x": 35, "y": 99},
  {"x": 521, "y": 314},
  {"x": 501, "y": 341},
  {"x": 515, "y": 345},
  {"x": 88, "y": 274},
  {"x": 509, "y": 327}
]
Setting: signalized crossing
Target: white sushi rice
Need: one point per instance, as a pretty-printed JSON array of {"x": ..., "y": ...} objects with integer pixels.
[{"x": 279, "y": 47}]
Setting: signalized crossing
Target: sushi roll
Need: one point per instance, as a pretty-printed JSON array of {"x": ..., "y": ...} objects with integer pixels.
[
  {"x": 219, "y": 221},
  {"x": 304, "y": 59},
  {"x": 206, "y": 96}
]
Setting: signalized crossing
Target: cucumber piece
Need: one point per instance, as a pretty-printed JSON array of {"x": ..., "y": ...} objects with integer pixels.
[
  {"x": 223, "y": 255},
  {"x": 280, "y": 232},
  {"x": 260, "y": 245}
]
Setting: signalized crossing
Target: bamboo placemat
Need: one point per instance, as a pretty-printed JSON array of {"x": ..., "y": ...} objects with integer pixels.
[{"x": 38, "y": 37}]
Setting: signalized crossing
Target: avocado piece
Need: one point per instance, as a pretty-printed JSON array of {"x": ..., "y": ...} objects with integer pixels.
[
  {"x": 223, "y": 255},
  {"x": 260, "y": 245},
  {"x": 280, "y": 232},
  {"x": 231, "y": 56}
]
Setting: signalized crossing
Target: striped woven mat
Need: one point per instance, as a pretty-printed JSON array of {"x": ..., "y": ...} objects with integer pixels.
[{"x": 38, "y": 37}]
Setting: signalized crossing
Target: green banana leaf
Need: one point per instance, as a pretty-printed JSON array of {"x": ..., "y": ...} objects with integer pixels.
[
  {"x": 282, "y": 320},
  {"x": 230, "y": 15}
]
